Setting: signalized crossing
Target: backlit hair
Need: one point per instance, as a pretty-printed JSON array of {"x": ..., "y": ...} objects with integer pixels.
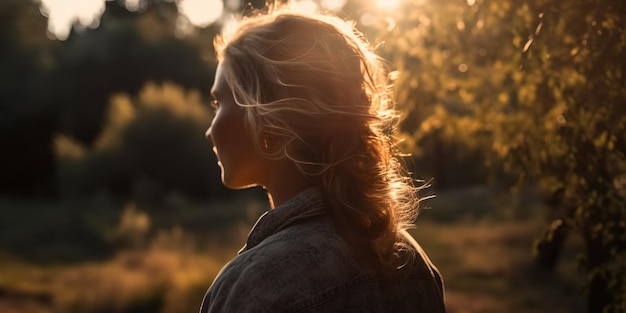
[{"x": 312, "y": 85}]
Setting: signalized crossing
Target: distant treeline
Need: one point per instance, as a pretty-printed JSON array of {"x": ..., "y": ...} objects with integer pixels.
[{"x": 59, "y": 100}]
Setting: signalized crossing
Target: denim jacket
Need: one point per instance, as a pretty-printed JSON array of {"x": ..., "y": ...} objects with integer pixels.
[{"x": 295, "y": 261}]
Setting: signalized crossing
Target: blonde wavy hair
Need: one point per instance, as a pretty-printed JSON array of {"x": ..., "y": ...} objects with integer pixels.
[{"x": 314, "y": 87}]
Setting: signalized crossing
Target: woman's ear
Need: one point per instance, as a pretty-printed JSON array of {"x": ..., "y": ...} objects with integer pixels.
[
  {"x": 272, "y": 145},
  {"x": 268, "y": 144},
  {"x": 265, "y": 143}
]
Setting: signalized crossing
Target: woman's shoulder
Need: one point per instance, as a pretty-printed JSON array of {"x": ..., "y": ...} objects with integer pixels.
[
  {"x": 290, "y": 266},
  {"x": 313, "y": 248},
  {"x": 310, "y": 266}
]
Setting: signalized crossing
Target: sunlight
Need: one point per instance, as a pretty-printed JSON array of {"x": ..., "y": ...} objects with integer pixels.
[
  {"x": 135, "y": 5},
  {"x": 230, "y": 24},
  {"x": 303, "y": 6},
  {"x": 333, "y": 5},
  {"x": 201, "y": 13},
  {"x": 62, "y": 14},
  {"x": 388, "y": 4}
]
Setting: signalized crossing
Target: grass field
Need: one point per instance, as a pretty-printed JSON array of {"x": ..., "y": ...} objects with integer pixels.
[{"x": 481, "y": 243}]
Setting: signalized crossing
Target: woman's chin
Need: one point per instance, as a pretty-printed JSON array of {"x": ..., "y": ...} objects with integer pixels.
[{"x": 235, "y": 185}]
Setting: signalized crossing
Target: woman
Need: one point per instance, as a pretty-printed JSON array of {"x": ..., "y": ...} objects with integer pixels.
[{"x": 303, "y": 108}]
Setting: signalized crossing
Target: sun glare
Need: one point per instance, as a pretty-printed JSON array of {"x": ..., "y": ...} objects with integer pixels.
[
  {"x": 201, "y": 12},
  {"x": 387, "y": 4},
  {"x": 333, "y": 5},
  {"x": 62, "y": 14},
  {"x": 303, "y": 6}
]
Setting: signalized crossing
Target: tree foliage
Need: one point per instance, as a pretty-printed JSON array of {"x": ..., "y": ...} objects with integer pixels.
[
  {"x": 537, "y": 88},
  {"x": 25, "y": 123},
  {"x": 50, "y": 87},
  {"x": 150, "y": 145}
]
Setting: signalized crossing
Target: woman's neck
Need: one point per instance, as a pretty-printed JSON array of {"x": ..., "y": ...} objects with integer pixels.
[{"x": 285, "y": 182}]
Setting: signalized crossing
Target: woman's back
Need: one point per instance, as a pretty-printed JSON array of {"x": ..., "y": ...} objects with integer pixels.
[{"x": 295, "y": 261}]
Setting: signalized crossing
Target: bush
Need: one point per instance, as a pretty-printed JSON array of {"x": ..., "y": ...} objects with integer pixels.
[{"x": 150, "y": 145}]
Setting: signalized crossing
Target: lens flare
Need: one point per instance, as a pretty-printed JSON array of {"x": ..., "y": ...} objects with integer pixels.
[
  {"x": 62, "y": 14},
  {"x": 201, "y": 13},
  {"x": 387, "y": 4}
]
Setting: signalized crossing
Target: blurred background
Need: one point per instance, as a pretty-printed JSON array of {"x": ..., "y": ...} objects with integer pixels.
[{"x": 111, "y": 201}]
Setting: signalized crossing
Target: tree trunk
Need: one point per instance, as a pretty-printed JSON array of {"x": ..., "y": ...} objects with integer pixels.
[
  {"x": 599, "y": 296},
  {"x": 549, "y": 250}
]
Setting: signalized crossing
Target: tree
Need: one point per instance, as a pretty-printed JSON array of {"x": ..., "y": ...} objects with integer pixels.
[
  {"x": 126, "y": 51},
  {"x": 47, "y": 86},
  {"x": 150, "y": 145},
  {"x": 26, "y": 125},
  {"x": 537, "y": 87}
]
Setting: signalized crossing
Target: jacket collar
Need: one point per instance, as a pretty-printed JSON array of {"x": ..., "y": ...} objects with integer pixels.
[{"x": 307, "y": 204}]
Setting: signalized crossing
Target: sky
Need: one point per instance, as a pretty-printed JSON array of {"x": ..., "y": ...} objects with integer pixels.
[{"x": 63, "y": 13}]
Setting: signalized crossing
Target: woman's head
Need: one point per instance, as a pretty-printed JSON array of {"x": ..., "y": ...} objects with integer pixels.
[
  {"x": 303, "y": 80},
  {"x": 313, "y": 92}
]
